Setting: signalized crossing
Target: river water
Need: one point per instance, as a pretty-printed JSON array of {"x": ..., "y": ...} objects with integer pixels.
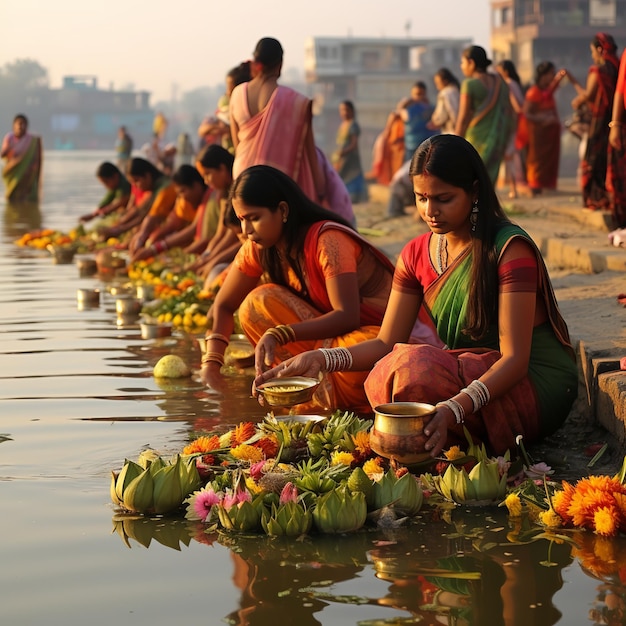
[{"x": 77, "y": 397}]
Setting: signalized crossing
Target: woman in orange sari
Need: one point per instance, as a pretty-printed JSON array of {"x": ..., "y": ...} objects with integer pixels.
[{"x": 324, "y": 285}]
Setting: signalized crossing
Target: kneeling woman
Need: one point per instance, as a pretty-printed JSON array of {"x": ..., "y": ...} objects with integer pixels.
[
  {"x": 508, "y": 368},
  {"x": 323, "y": 285}
]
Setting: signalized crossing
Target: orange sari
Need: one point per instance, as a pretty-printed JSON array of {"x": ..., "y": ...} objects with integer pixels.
[{"x": 271, "y": 304}]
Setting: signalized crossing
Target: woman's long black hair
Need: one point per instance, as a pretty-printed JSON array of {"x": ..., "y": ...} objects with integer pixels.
[
  {"x": 265, "y": 186},
  {"x": 455, "y": 161}
]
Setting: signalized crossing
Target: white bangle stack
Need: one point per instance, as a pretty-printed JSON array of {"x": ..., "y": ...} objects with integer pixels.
[
  {"x": 457, "y": 409},
  {"x": 336, "y": 359},
  {"x": 478, "y": 392}
]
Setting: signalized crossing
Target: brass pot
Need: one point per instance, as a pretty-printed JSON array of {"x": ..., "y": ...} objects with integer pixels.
[
  {"x": 155, "y": 331},
  {"x": 62, "y": 255},
  {"x": 88, "y": 296},
  {"x": 145, "y": 292},
  {"x": 86, "y": 267},
  {"x": 128, "y": 307},
  {"x": 398, "y": 431}
]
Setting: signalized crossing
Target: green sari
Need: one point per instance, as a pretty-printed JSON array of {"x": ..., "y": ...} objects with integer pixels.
[
  {"x": 493, "y": 122},
  {"x": 533, "y": 408},
  {"x": 21, "y": 174}
]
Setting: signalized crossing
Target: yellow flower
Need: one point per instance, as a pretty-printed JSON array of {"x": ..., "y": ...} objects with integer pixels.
[
  {"x": 252, "y": 487},
  {"x": 453, "y": 453},
  {"x": 513, "y": 504},
  {"x": 341, "y": 458},
  {"x": 550, "y": 519},
  {"x": 245, "y": 452},
  {"x": 605, "y": 521},
  {"x": 373, "y": 468}
]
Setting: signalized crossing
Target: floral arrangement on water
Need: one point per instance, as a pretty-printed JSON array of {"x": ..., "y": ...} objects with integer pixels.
[
  {"x": 595, "y": 503},
  {"x": 280, "y": 477}
]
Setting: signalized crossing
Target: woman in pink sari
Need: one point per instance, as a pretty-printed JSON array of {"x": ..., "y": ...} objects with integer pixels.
[
  {"x": 272, "y": 125},
  {"x": 22, "y": 169}
]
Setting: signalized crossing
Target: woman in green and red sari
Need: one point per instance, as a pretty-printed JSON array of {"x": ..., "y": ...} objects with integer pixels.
[
  {"x": 508, "y": 367},
  {"x": 598, "y": 96},
  {"x": 22, "y": 168}
]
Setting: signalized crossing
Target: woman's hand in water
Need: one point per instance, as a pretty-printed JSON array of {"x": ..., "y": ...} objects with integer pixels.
[
  {"x": 306, "y": 364},
  {"x": 212, "y": 377}
]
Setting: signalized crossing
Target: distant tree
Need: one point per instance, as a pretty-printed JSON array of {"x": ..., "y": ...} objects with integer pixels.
[{"x": 24, "y": 74}]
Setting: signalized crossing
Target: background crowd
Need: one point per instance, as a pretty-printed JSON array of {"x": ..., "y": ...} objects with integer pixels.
[{"x": 269, "y": 220}]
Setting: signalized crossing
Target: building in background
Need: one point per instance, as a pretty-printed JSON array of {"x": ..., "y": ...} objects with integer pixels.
[
  {"x": 375, "y": 73},
  {"x": 531, "y": 31},
  {"x": 81, "y": 115}
]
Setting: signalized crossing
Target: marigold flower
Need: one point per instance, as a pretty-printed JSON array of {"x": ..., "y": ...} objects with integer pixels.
[
  {"x": 202, "y": 444},
  {"x": 341, "y": 458},
  {"x": 362, "y": 442},
  {"x": 605, "y": 521},
  {"x": 269, "y": 445},
  {"x": 453, "y": 453},
  {"x": 561, "y": 501},
  {"x": 246, "y": 452},
  {"x": 373, "y": 468},
  {"x": 620, "y": 503},
  {"x": 550, "y": 519},
  {"x": 252, "y": 486},
  {"x": 513, "y": 504},
  {"x": 242, "y": 432}
]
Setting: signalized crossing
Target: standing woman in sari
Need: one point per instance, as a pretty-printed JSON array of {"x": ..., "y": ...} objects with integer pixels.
[
  {"x": 508, "y": 367},
  {"x": 544, "y": 128},
  {"x": 346, "y": 159},
  {"x": 22, "y": 168},
  {"x": 598, "y": 96},
  {"x": 485, "y": 117},
  {"x": 324, "y": 285},
  {"x": 273, "y": 125}
]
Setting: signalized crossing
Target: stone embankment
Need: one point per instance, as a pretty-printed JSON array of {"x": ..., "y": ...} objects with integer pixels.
[{"x": 587, "y": 273}]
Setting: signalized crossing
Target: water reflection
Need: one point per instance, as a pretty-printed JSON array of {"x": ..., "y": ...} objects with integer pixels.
[
  {"x": 469, "y": 569},
  {"x": 19, "y": 218}
]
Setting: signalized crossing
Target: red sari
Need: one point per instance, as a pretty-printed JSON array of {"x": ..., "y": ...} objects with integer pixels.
[{"x": 544, "y": 141}]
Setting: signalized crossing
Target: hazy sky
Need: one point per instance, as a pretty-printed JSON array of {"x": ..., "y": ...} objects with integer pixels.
[{"x": 154, "y": 44}]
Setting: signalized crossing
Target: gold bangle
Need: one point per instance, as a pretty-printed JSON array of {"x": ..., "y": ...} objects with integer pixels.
[
  {"x": 217, "y": 337},
  {"x": 277, "y": 334},
  {"x": 288, "y": 331},
  {"x": 214, "y": 357},
  {"x": 614, "y": 123}
]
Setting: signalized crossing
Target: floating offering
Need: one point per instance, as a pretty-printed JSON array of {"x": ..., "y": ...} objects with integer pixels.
[{"x": 171, "y": 366}]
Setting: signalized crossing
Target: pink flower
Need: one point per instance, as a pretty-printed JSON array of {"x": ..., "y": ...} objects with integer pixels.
[
  {"x": 204, "y": 502},
  {"x": 288, "y": 494},
  {"x": 538, "y": 471},
  {"x": 234, "y": 499},
  {"x": 503, "y": 466},
  {"x": 256, "y": 470}
]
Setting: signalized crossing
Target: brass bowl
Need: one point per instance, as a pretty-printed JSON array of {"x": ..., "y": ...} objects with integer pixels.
[
  {"x": 288, "y": 391},
  {"x": 62, "y": 255},
  {"x": 88, "y": 296},
  {"x": 145, "y": 292},
  {"x": 398, "y": 431},
  {"x": 86, "y": 267},
  {"x": 127, "y": 307},
  {"x": 155, "y": 331}
]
